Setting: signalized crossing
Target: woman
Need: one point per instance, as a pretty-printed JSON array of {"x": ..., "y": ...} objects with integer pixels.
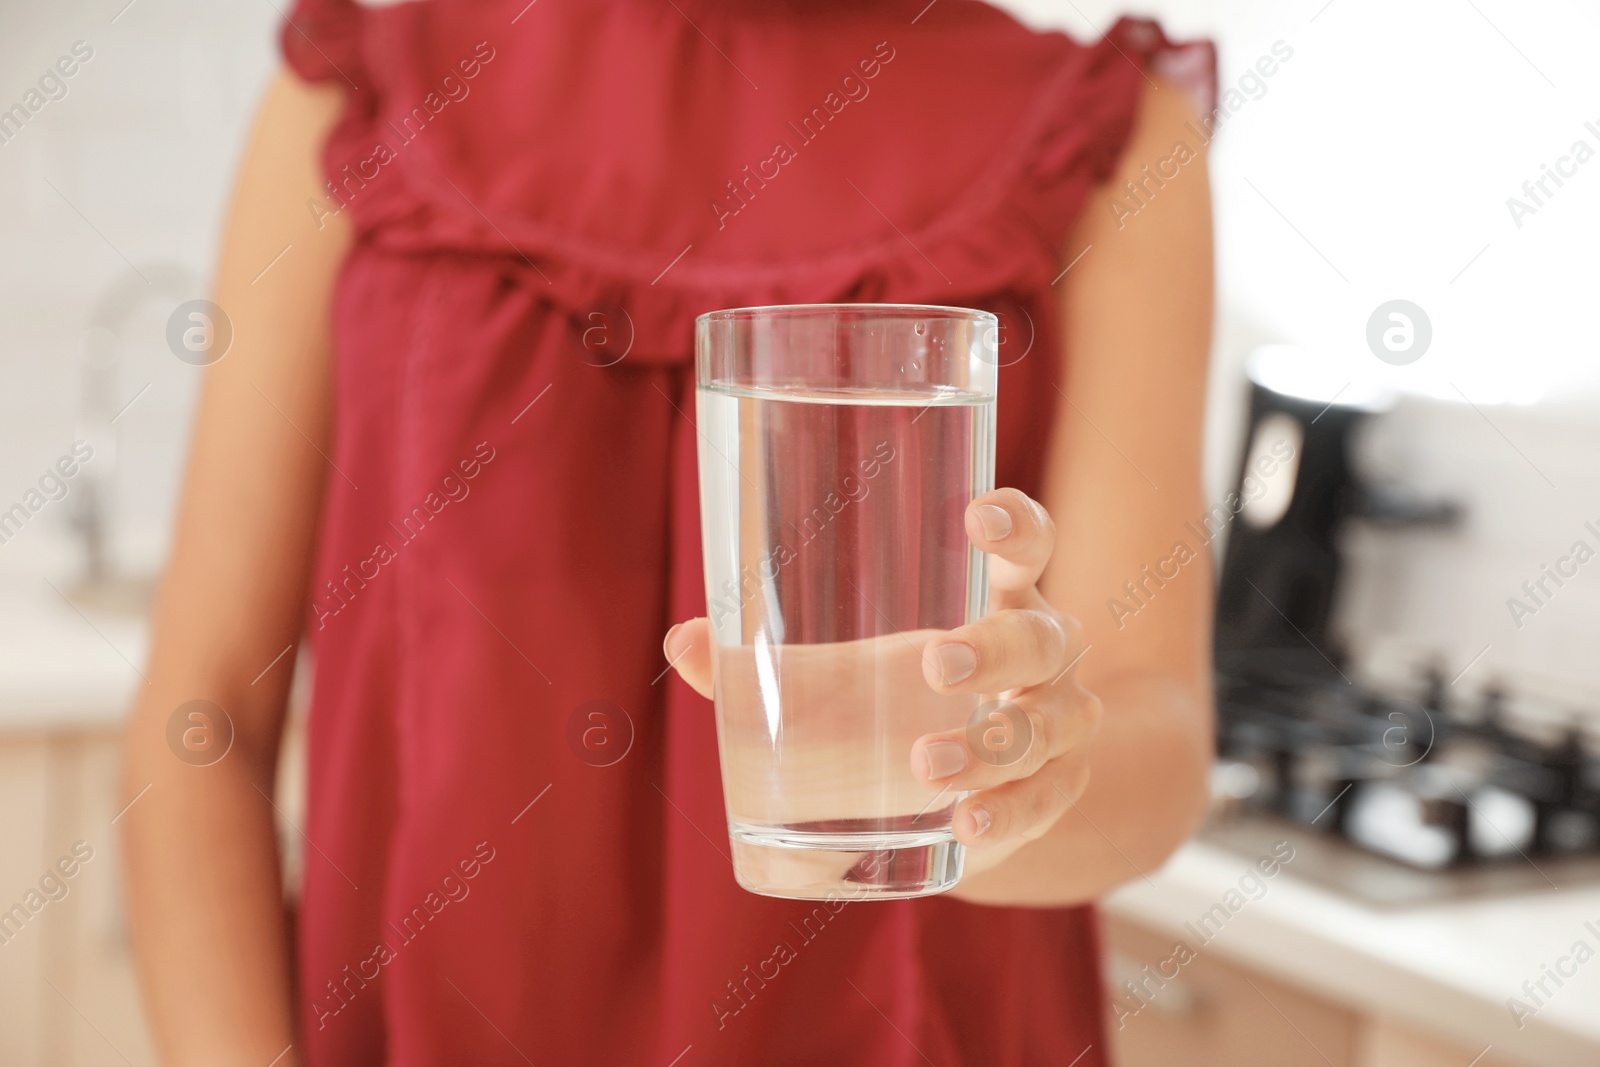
[{"x": 450, "y": 444}]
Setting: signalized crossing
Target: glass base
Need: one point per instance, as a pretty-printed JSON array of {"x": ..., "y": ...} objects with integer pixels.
[{"x": 798, "y": 865}]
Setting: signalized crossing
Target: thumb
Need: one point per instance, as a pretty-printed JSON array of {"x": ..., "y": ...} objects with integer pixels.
[{"x": 688, "y": 649}]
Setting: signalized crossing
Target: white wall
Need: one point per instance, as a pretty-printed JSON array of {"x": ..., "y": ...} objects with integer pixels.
[
  {"x": 140, "y": 153},
  {"x": 1391, "y": 142}
]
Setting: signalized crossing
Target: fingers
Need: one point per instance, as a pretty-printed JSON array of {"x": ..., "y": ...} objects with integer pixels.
[
  {"x": 688, "y": 649},
  {"x": 1022, "y": 811},
  {"x": 1019, "y": 533},
  {"x": 1012, "y": 740},
  {"x": 1024, "y": 758},
  {"x": 1004, "y": 650}
]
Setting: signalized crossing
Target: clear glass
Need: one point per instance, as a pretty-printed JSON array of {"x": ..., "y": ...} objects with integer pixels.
[{"x": 839, "y": 447}]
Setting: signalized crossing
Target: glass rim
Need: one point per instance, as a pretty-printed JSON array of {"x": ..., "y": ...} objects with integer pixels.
[{"x": 946, "y": 312}]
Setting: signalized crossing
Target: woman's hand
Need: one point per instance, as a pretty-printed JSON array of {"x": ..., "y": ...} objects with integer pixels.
[{"x": 1025, "y": 762}]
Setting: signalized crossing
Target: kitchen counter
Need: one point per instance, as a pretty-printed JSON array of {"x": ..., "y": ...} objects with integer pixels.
[{"x": 1446, "y": 967}]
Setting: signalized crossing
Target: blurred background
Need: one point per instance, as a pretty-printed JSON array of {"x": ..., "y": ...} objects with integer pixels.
[{"x": 1407, "y": 200}]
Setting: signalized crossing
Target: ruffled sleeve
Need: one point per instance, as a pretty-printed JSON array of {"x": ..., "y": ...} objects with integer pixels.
[
  {"x": 321, "y": 41},
  {"x": 1088, "y": 120},
  {"x": 1134, "y": 53},
  {"x": 1008, "y": 232},
  {"x": 325, "y": 41}
]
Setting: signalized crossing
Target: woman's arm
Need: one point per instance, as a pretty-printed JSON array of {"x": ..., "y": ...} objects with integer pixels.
[
  {"x": 1122, "y": 480},
  {"x": 202, "y": 862}
]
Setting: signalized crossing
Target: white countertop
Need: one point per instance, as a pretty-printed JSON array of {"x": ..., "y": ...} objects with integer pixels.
[
  {"x": 65, "y": 667},
  {"x": 1447, "y": 967}
]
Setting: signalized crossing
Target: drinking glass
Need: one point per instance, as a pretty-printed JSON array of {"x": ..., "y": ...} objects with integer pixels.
[{"x": 839, "y": 447}]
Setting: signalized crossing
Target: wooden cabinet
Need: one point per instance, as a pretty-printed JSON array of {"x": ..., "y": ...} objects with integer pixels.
[
  {"x": 68, "y": 996},
  {"x": 24, "y": 798},
  {"x": 1215, "y": 1013}
]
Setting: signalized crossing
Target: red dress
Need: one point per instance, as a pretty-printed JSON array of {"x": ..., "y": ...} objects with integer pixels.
[{"x": 518, "y": 846}]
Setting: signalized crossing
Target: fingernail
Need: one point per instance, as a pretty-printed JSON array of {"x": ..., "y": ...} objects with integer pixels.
[
  {"x": 667, "y": 640},
  {"x": 944, "y": 758},
  {"x": 955, "y": 662},
  {"x": 996, "y": 522},
  {"x": 981, "y": 820}
]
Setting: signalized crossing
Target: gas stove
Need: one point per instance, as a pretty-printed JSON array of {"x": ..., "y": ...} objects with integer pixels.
[
  {"x": 1413, "y": 798},
  {"x": 1399, "y": 793}
]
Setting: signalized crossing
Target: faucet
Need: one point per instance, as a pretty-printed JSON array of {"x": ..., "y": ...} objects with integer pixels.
[{"x": 102, "y": 401}]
